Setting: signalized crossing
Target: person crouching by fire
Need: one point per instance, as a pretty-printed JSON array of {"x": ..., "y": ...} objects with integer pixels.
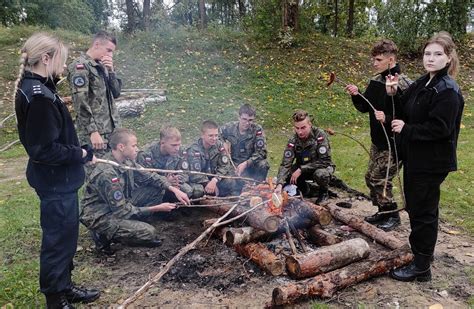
[
  {"x": 307, "y": 156},
  {"x": 208, "y": 155}
]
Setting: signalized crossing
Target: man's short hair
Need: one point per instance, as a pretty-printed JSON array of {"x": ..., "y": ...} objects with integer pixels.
[
  {"x": 384, "y": 47},
  {"x": 208, "y": 124},
  {"x": 169, "y": 132},
  {"x": 104, "y": 36},
  {"x": 247, "y": 109},
  {"x": 300, "y": 115},
  {"x": 120, "y": 136}
]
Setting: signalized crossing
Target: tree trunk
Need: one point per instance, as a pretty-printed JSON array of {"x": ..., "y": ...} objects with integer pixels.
[
  {"x": 146, "y": 14},
  {"x": 290, "y": 14},
  {"x": 130, "y": 16},
  {"x": 365, "y": 228},
  {"x": 242, "y": 9},
  {"x": 264, "y": 258},
  {"x": 320, "y": 237},
  {"x": 324, "y": 259},
  {"x": 336, "y": 17},
  {"x": 350, "y": 19},
  {"x": 326, "y": 285},
  {"x": 243, "y": 235},
  {"x": 202, "y": 14}
]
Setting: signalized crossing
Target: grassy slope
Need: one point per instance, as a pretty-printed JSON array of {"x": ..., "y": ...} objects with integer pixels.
[{"x": 208, "y": 76}]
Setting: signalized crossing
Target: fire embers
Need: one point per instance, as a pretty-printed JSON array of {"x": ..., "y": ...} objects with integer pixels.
[{"x": 264, "y": 192}]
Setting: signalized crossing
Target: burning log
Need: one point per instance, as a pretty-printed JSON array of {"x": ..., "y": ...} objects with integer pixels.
[
  {"x": 303, "y": 214},
  {"x": 263, "y": 257},
  {"x": 365, "y": 228},
  {"x": 243, "y": 235},
  {"x": 327, "y": 284},
  {"x": 321, "y": 237},
  {"x": 328, "y": 258}
]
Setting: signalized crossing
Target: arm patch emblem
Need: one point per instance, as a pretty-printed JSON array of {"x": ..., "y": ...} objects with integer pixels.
[
  {"x": 118, "y": 195},
  {"x": 288, "y": 154},
  {"x": 197, "y": 166},
  {"x": 184, "y": 165},
  {"x": 260, "y": 143},
  {"x": 225, "y": 160},
  {"x": 79, "y": 81},
  {"x": 322, "y": 150}
]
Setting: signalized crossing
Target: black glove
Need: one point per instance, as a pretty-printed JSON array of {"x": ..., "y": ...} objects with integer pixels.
[{"x": 90, "y": 153}]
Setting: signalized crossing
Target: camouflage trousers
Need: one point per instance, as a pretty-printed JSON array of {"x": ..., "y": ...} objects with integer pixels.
[
  {"x": 322, "y": 176},
  {"x": 192, "y": 190},
  {"x": 376, "y": 173},
  {"x": 130, "y": 231},
  {"x": 258, "y": 171},
  {"x": 226, "y": 187}
]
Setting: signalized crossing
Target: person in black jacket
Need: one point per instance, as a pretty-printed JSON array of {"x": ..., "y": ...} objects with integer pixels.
[
  {"x": 55, "y": 166},
  {"x": 384, "y": 61},
  {"x": 428, "y": 130}
]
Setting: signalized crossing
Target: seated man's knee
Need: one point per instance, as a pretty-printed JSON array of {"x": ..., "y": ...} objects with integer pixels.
[{"x": 322, "y": 176}]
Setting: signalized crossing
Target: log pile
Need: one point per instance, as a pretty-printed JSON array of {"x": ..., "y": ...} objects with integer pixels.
[
  {"x": 325, "y": 261},
  {"x": 132, "y": 103}
]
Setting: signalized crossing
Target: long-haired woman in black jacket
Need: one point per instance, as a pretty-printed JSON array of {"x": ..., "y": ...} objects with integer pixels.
[
  {"x": 55, "y": 167},
  {"x": 428, "y": 127}
]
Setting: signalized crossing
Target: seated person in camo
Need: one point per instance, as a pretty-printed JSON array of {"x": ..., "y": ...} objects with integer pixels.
[
  {"x": 117, "y": 199},
  {"x": 248, "y": 148},
  {"x": 307, "y": 156},
  {"x": 167, "y": 154},
  {"x": 208, "y": 155}
]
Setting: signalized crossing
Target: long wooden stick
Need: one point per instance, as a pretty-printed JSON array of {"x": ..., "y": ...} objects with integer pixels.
[
  {"x": 182, "y": 252},
  {"x": 9, "y": 145},
  {"x": 5, "y": 119},
  {"x": 159, "y": 170}
]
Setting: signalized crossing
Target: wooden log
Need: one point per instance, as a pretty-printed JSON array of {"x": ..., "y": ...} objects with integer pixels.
[
  {"x": 303, "y": 214},
  {"x": 243, "y": 235},
  {"x": 260, "y": 218},
  {"x": 325, "y": 285},
  {"x": 325, "y": 259},
  {"x": 365, "y": 228},
  {"x": 321, "y": 237},
  {"x": 263, "y": 257}
]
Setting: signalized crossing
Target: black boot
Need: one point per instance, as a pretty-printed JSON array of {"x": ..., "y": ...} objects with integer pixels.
[
  {"x": 379, "y": 217},
  {"x": 410, "y": 273},
  {"x": 58, "y": 301},
  {"x": 323, "y": 195},
  {"x": 390, "y": 223},
  {"x": 80, "y": 295},
  {"x": 102, "y": 244}
]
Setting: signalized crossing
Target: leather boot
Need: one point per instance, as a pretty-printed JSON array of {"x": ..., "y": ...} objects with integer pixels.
[
  {"x": 392, "y": 220},
  {"x": 378, "y": 217},
  {"x": 410, "y": 273},
  {"x": 323, "y": 195},
  {"x": 81, "y": 295},
  {"x": 58, "y": 301},
  {"x": 102, "y": 244}
]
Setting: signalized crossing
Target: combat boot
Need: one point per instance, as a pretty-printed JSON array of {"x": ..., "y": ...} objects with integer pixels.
[
  {"x": 379, "y": 217},
  {"x": 392, "y": 220},
  {"x": 323, "y": 195},
  {"x": 411, "y": 273},
  {"x": 81, "y": 295},
  {"x": 102, "y": 244},
  {"x": 58, "y": 301}
]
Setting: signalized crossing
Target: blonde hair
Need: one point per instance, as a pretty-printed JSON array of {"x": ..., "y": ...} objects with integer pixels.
[
  {"x": 444, "y": 39},
  {"x": 169, "y": 132},
  {"x": 33, "y": 50}
]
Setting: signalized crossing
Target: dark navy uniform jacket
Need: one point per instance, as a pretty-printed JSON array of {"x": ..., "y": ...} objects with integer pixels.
[{"x": 47, "y": 132}]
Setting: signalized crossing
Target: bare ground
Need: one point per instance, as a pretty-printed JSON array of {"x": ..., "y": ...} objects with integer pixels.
[{"x": 214, "y": 276}]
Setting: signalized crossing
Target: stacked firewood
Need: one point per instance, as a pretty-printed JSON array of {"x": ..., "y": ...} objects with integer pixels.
[{"x": 325, "y": 262}]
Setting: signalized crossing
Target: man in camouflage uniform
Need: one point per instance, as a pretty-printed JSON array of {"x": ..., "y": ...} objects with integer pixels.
[
  {"x": 306, "y": 157},
  {"x": 248, "y": 147},
  {"x": 384, "y": 55},
  {"x": 116, "y": 199},
  {"x": 94, "y": 87},
  {"x": 167, "y": 154},
  {"x": 208, "y": 155}
]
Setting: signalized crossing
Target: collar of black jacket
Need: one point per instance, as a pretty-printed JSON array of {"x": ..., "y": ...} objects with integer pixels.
[
  {"x": 439, "y": 75},
  {"x": 48, "y": 82},
  {"x": 395, "y": 70}
]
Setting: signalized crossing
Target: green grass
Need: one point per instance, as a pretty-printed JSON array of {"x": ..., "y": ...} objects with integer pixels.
[{"x": 208, "y": 75}]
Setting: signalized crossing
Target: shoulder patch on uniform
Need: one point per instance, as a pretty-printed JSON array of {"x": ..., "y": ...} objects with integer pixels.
[
  {"x": 322, "y": 150},
  {"x": 259, "y": 132},
  {"x": 118, "y": 195},
  {"x": 197, "y": 154},
  {"x": 78, "y": 81},
  {"x": 197, "y": 166},
  {"x": 291, "y": 145},
  {"x": 260, "y": 143},
  {"x": 320, "y": 139},
  {"x": 115, "y": 180},
  {"x": 80, "y": 66},
  {"x": 184, "y": 165},
  {"x": 221, "y": 149},
  {"x": 288, "y": 154},
  {"x": 148, "y": 159},
  {"x": 37, "y": 90},
  {"x": 225, "y": 160}
]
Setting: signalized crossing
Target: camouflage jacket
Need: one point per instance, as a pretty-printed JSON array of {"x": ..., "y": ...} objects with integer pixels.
[
  {"x": 152, "y": 157},
  {"x": 311, "y": 154},
  {"x": 109, "y": 190},
  {"x": 250, "y": 147},
  {"x": 93, "y": 91},
  {"x": 214, "y": 161}
]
